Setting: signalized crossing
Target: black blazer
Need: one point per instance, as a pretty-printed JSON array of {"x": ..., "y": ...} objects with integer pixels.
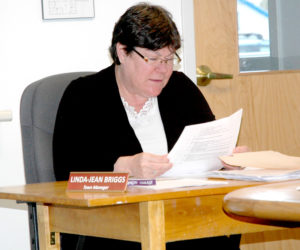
[{"x": 92, "y": 128}]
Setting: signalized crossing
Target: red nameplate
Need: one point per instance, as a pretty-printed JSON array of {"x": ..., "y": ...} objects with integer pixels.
[{"x": 97, "y": 181}]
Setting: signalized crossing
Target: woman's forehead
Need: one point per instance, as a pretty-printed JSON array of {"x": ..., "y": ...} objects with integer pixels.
[{"x": 164, "y": 52}]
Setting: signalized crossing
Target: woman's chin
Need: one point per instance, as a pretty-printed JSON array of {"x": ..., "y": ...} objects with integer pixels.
[{"x": 155, "y": 92}]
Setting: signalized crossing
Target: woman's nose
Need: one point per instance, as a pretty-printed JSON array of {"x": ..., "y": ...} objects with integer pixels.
[{"x": 163, "y": 66}]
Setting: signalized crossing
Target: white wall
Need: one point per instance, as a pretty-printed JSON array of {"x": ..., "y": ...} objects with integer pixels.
[{"x": 32, "y": 48}]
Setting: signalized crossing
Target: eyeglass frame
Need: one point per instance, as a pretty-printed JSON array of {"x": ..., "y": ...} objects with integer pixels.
[{"x": 158, "y": 59}]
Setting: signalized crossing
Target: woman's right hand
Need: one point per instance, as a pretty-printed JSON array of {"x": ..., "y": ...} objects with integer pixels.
[{"x": 143, "y": 165}]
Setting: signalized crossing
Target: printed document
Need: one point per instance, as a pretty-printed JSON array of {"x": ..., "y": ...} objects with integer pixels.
[{"x": 199, "y": 146}]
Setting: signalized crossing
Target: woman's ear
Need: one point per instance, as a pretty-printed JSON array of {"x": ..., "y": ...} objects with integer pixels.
[{"x": 121, "y": 52}]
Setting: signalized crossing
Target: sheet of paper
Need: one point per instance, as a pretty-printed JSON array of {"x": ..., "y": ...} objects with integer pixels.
[
  {"x": 199, "y": 146},
  {"x": 263, "y": 159},
  {"x": 165, "y": 183}
]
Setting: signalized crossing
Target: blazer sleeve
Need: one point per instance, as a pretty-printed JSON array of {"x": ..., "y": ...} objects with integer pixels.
[
  {"x": 68, "y": 133},
  {"x": 92, "y": 128}
]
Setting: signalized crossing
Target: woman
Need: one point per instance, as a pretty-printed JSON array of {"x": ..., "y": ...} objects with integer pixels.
[{"x": 134, "y": 110}]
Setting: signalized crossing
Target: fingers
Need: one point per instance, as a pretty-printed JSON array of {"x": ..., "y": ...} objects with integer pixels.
[
  {"x": 148, "y": 165},
  {"x": 230, "y": 167},
  {"x": 160, "y": 169},
  {"x": 155, "y": 158},
  {"x": 241, "y": 149},
  {"x": 143, "y": 165}
]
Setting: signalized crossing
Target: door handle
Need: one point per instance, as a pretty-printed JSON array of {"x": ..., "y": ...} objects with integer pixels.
[{"x": 204, "y": 75}]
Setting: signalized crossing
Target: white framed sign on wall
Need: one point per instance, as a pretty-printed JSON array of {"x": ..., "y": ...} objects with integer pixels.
[{"x": 65, "y": 9}]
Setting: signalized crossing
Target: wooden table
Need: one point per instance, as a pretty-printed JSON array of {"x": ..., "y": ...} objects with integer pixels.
[
  {"x": 150, "y": 217},
  {"x": 276, "y": 203}
]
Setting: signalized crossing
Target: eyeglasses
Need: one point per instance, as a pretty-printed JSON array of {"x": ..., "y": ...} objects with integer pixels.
[{"x": 155, "y": 61}]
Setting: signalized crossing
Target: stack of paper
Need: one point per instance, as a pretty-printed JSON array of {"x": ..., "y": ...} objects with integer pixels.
[
  {"x": 260, "y": 166},
  {"x": 255, "y": 174},
  {"x": 263, "y": 159}
]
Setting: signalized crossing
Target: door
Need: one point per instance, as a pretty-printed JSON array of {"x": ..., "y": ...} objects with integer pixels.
[{"x": 270, "y": 100}]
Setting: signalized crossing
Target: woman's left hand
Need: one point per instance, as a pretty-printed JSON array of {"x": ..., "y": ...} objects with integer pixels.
[{"x": 238, "y": 149}]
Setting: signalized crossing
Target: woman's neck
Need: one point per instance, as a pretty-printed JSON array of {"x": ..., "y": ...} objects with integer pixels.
[{"x": 133, "y": 99}]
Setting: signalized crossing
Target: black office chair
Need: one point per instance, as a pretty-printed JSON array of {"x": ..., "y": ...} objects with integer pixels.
[{"x": 38, "y": 108}]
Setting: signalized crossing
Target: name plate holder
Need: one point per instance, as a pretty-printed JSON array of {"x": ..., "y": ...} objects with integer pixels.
[{"x": 97, "y": 181}]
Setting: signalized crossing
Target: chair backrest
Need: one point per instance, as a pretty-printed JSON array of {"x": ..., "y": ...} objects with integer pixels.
[{"x": 38, "y": 108}]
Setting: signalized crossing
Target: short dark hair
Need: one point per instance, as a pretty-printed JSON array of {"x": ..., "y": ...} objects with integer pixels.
[{"x": 146, "y": 26}]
